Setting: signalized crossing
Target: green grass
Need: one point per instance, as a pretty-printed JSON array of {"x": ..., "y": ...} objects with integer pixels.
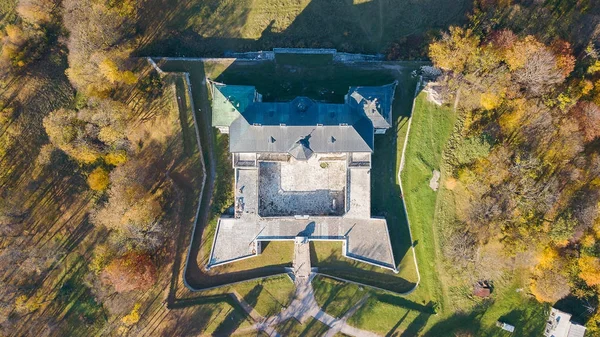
[
  {"x": 211, "y": 27},
  {"x": 336, "y": 297},
  {"x": 276, "y": 253},
  {"x": 268, "y": 297},
  {"x": 293, "y": 328},
  {"x": 328, "y": 257},
  {"x": 221, "y": 320},
  {"x": 386, "y": 318},
  {"x": 509, "y": 306},
  {"x": 430, "y": 130}
]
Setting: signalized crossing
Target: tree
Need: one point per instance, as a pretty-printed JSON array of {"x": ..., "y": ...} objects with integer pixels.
[
  {"x": 588, "y": 117},
  {"x": 91, "y": 133},
  {"x": 589, "y": 269},
  {"x": 98, "y": 180},
  {"x": 132, "y": 271},
  {"x": 36, "y": 11},
  {"x": 539, "y": 72},
  {"x": 565, "y": 60},
  {"x": 135, "y": 203},
  {"x": 562, "y": 229},
  {"x": 98, "y": 44},
  {"x": 519, "y": 52},
  {"x": 133, "y": 317},
  {"x": 550, "y": 286},
  {"x": 490, "y": 101},
  {"x": 455, "y": 50}
]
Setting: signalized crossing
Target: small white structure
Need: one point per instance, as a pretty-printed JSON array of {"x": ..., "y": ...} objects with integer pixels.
[
  {"x": 505, "y": 326},
  {"x": 559, "y": 325}
]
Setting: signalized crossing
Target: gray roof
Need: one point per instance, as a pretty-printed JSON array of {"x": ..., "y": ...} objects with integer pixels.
[
  {"x": 375, "y": 102},
  {"x": 322, "y": 127},
  {"x": 576, "y": 330},
  {"x": 301, "y": 150},
  {"x": 276, "y": 127}
]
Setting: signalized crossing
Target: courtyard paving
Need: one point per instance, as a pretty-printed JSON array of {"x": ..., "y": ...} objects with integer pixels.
[{"x": 307, "y": 187}]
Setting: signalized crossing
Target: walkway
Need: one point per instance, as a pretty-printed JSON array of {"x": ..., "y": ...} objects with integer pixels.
[{"x": 304, "y": 304}]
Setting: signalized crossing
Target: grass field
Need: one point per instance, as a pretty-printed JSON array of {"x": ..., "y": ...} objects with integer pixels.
[
  {"x": 336, "y": 297},
  {"x": 293, "y": 328},
  {"x": 268, "y": 297},
  {"x": 200, "y": 28}
]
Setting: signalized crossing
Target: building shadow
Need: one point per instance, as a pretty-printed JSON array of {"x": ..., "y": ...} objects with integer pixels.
[{"x": 210, "y": 28}]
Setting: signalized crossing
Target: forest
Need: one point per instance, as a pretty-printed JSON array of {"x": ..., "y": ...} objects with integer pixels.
[{"x": 524, "y": 160}]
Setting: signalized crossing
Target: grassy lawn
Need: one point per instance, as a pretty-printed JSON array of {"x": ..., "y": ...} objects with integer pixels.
[
  {"x": 268, "y": 296},
  {"x": 327, "y": 256},
  {"x": 336, "y": 297},
  {"x": 293, "y": 328},
  {"x": 430, "y": 130},
  {"x": 276, "y": 253},
  {"x": 387, "y": 318},
  {"x": 199, "y": 28},
  {"x": 431, "y": 127}
]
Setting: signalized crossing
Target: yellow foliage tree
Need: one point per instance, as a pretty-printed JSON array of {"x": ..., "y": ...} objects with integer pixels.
[
  {"x": 98, "y": 179},
  {"x": 133, "y": 317},
  {"x": 548, "y": 257},
  {"x": 512, "y": 121},
  {"x": 594, "y": 67},
  {"x": 110, "y": 70},
  {"x": 589, "y": 269},
  {"x": 455, "y": 50},
  {"x": 521, "y": 51},
  {"x": 116, "y": 158},
  {"x": 490, "y": 101},
  {"x": 128, "y": 77},
  {"x": 549, "y": 286}
]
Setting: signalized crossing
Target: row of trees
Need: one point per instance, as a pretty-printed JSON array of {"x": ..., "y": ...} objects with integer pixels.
[
  {"x": 524, "y": 160},
  {"x": 55, "y": 137}
]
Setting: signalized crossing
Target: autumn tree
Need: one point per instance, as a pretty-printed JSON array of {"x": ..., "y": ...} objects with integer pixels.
[
  {"x": 20, "y": 46},
  {"x": 98, "y": 44},
  {"x": 588, "y": 117},
  {"x": 539, "y": 72},
  {"x": 91, "y": 133},
  {"x": 550, "y": 286},
  {"x": 98, "y": 180},
  {"x": 589, "y": 267},
  {"x": 135, "y": 204},
  {"x": 132, "y": 271},
  {"x": 455, "y": 50},
  {"x": 36, "y": 11}
]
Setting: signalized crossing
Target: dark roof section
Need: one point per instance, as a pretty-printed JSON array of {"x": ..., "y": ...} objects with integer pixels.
[{"x": 374, "y": 102}]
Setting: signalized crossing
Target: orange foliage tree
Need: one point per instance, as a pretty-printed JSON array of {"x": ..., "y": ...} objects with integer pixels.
[{"x": 132, "y": 271}]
